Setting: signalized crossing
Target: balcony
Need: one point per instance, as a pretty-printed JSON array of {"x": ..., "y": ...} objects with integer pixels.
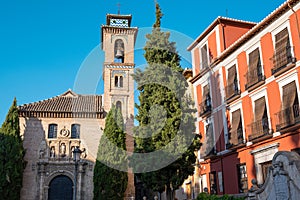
[
  {"x": 288, "y": 119},
  {"x": 235, "y": 138},
  {"x": 232, "y": 91},
  {"x": 254, "y": 78},
  {"x": 259, "y": 129},
  {"x": 282, "y": 60},
  {"x": 205, "y": 107}
]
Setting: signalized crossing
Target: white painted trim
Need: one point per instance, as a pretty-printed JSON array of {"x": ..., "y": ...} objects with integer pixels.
[{"x": 265, "y": 148}]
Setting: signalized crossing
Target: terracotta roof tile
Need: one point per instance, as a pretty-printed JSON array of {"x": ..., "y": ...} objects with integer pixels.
[{"x": 69, "y": 102}]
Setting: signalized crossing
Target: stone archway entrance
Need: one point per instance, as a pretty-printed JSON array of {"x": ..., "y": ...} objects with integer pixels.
[{"x": 60, "y": 188}]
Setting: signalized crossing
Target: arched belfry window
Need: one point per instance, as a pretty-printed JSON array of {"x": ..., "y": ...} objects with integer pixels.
[
  {"x": 119, "y": 105},
  {"x": 118, "y": 81},
  {"x": 75, "y": 131},
  {"x": 121, "y": 81},
  {"x": 52, "y": 131},
  {"x": 119, "y": 51}
]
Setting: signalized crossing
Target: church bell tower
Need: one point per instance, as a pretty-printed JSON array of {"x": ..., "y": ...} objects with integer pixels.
[{"x": 118, "y": 40}]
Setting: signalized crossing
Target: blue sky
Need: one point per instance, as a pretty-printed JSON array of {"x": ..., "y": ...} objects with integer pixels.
[{"x": 45, "y": 44}]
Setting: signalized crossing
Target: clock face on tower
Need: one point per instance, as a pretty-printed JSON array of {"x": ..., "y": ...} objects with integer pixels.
[{"x": 119, "y": 22}]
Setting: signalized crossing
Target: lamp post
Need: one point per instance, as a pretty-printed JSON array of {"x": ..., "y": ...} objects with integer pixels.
[{"x": 76, "y": 157}]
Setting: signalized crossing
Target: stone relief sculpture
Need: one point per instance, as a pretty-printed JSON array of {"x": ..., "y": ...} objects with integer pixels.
[
  {"x": 63, "y": 149},
  {"x": 42, "y": 150},
  {"x": 52, "y": 152}
]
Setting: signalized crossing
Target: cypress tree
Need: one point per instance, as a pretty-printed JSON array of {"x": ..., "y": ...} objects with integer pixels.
[
  {"x": 165, "y": 115},
  {"x": 12, "y": 153},
  {"x": 109, "y": 182}
]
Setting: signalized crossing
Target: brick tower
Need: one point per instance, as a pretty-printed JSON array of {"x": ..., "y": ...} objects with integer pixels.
[{"x": 118, "y": 40}]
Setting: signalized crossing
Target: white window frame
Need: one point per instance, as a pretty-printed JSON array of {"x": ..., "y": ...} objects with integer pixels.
[
  {"x": 275, "y": 31},
  {"x": 251, "y": 49},
  {"x": 200, "y": 54},
  {"x": 233, "y": 108},
  {"x": 257, "y": 95},
  {"x": 237, "y": 72}
]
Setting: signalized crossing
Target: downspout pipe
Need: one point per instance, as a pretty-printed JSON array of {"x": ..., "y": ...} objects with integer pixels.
[{"x": 297, "y": 20}]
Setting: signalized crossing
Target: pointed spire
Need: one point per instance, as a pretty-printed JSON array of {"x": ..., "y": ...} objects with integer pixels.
[{"x": 158, "y": 15}]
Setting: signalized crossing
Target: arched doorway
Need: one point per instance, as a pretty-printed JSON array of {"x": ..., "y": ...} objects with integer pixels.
[{"x": 60, "y": 188}]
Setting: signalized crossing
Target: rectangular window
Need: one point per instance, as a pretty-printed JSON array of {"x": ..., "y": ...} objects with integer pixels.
[
  {"x": 236, "y": 131},
  {"x": 243, "y": 178},
  {"x": 209, "y": 140},
  {"x": 232, "y": 83},
  {"x": 283, "y": 51},
  {"x": 260, "y": 126},
  {"x": 213, "y": 182},
  {"x": 205, "y": 105},
  {"x": 52, "y": 131},
  {"x": 75, "y": 131},
  {"x": 254, "y": 74},
  {"x": 204, "y": 57}
]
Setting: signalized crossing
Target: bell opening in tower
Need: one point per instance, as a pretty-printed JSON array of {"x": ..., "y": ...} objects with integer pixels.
[{"x": 119, "y": 51}]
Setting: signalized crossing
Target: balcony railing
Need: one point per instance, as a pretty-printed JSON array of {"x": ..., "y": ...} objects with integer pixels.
[
  {"x": 282, "y": 59},
  {"x": 258, "y": 129},
  {"x": 205, "y": 106},
  {"x": 232, "y": 90},
  {"x": 254, "y": 76},
  {"x": 236, "y": 138},
  {"x": 287, "y": 117}
]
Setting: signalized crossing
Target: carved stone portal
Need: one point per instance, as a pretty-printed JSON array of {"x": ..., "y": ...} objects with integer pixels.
[{"x": 283, "y": 181}]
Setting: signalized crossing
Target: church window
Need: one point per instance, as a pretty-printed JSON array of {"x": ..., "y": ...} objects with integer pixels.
[
  {"x": 75, "y": 131},
  {"x": 52, "y": 131},
  {"x": 119, "y": 81},
  {"x": 119, "y": 105}
]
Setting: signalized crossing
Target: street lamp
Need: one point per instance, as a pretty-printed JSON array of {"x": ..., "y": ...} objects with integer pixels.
[{"x": 76, "y": 157}]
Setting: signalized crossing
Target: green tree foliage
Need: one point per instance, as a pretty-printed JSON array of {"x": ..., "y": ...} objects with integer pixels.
[
  {"x": 12, "y": 153},
  {"x": 205, "y": 196},
  {"x": 109, "y": 182},
  {"x": 165, "y": 115}
]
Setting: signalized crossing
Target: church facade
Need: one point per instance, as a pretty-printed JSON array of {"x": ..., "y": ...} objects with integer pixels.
[{"x": 53, "y": 128}]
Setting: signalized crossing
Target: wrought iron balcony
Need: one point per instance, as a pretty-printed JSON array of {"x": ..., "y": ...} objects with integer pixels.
[
  {"x": 259, "y": 129},
  {"x": 287, "y": 117},
  {"x": 282, "y": 60},
  {"x": 232, "y": 90},
  {"x": 205, "y": 107},
  {"x": 253, "y": 77}
]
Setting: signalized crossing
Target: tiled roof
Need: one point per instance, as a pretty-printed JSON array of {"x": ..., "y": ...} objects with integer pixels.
[{"x": 69, "y": 102}]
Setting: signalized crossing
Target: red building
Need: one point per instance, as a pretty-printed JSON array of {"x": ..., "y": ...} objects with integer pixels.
[{"x": 246, "y": 86}]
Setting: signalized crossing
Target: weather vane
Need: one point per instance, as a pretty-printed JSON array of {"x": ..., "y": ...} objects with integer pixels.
[{"x": 119, "y": 6}]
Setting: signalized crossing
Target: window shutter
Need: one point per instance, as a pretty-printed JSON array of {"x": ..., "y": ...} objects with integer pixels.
[
  {"x": 254, "y": 61},
  {"x": 260, "y": 106},
  {"x": 236, "y": 120},
  {"x": 204, "y": 57},
  {"x": 205, "y": 92},
  {"x": 282, "y": 40},
  {"x": 289, "y": 92},
  {"x": 230, "y": 88}
]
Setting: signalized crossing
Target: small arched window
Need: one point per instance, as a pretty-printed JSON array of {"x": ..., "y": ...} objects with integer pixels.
[
  {"x": 119, "y": 105},
  {"x": 75, "y": 131},
  {"x": 119, "y": 51},
  {"x": 121, "y": 81},
  {"x": 118, "y": 81},
  {"x": 52, "y": 131}
]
